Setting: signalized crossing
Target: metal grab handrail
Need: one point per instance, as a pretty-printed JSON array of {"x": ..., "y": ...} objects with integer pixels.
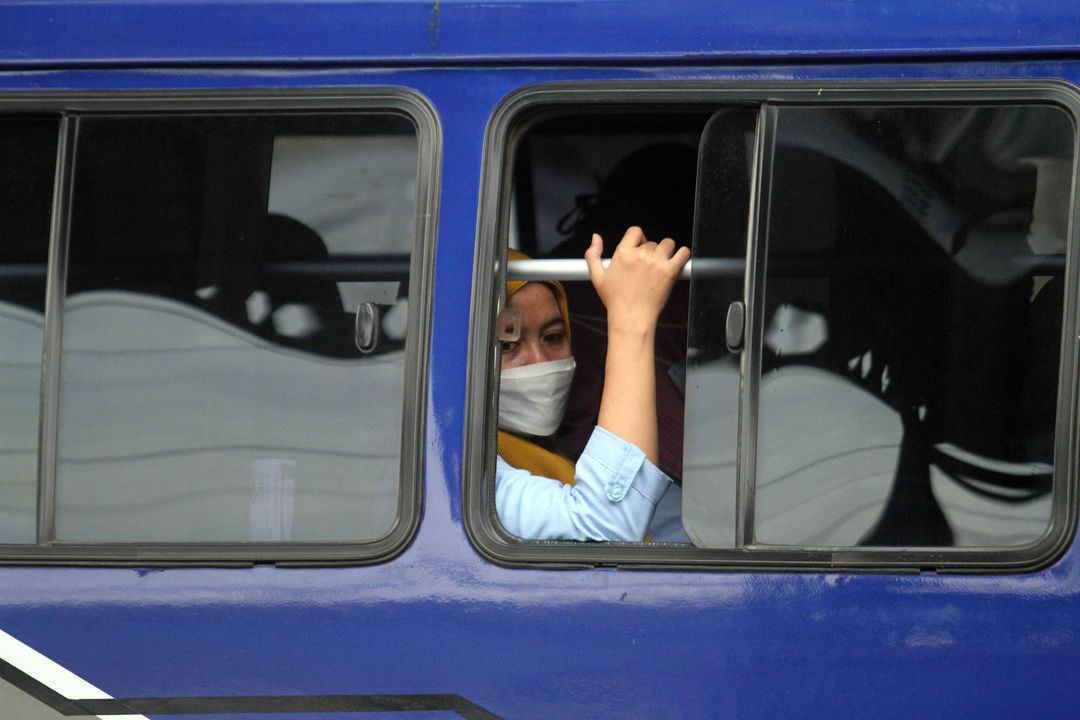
[{"x": 576, "y": 269}]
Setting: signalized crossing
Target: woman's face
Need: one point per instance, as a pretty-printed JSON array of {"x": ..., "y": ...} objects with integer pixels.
[{"x": 543, "y": 336}]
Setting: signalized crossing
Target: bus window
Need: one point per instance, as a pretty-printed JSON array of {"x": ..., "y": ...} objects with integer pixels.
[
  {"x": 909, "y": 333},
  {"x": 27, "y": 167},
  {"x": 867, "y": 357},
  {"x": 712, "y": 373},
  {"x": 231, "y": 323},
  {"x": 211, "y": 387},
  {"x": 938, "y": 317}
]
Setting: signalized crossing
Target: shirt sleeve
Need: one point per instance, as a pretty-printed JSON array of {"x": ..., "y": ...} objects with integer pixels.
[{"x": 616, "y": 494}]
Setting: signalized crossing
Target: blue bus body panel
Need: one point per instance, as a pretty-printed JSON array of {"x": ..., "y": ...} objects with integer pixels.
[
  {"x": 439, "y": 618},
  {"x": 286, "y": 31}
]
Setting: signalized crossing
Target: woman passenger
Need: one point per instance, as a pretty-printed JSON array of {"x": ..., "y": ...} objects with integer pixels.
[{"x": 612, "y": 491}]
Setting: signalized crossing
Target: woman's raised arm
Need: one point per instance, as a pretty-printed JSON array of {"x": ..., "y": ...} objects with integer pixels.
[{"x": 634, "y": 289}]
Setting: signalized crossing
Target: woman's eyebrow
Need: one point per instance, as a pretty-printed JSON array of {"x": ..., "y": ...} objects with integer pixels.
[{"x": 555, "y": 320}]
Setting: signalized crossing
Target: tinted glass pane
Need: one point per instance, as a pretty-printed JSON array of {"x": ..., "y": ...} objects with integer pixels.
[
  {"x": 212, "y": 389},
  {"x": 27, "y": 167},
  {"x": 712, "y": 369},
  {"x": 913, "y": 308}
]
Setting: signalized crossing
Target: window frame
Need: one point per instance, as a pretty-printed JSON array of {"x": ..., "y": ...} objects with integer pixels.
[
  {"x": 69, "y": 107},
  {"x": 523, "y": 109}
]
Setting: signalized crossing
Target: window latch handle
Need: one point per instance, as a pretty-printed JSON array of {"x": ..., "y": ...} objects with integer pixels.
[
  {"x": 367, "y": 327},
  {"x": 735, "y": 328}
]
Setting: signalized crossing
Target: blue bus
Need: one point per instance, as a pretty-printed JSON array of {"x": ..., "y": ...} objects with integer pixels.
[{"x": 252, "y": 255}]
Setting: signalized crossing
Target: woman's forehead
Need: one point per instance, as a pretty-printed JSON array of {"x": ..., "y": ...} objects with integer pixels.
[{"x": 537, "y": 299}]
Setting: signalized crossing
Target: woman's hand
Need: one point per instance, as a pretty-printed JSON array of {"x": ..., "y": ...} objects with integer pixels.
[
  {"x": 638, "y": 282},
  {"x": 634, "y": 289}
]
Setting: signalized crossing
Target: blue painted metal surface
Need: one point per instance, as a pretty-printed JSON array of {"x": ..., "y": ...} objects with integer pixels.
[
  {"x": 105, "y": 32},
  {"x": 440, "y": 619}
]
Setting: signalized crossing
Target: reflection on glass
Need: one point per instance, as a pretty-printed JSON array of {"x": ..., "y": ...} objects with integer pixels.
[
  {"x": 211, "y": 388},
  {"x": 710, "y": 452},
  {"x": 913, "y": 305},
  {"x": 27, "y": 166}
]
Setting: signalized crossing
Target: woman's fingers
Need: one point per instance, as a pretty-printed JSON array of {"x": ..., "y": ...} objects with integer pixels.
[
  {"x": 632, "y": 238},
  {"x": 681, "y": 257},
  {"x": 667, "y": 247},
  {"x": 635, "y": 249}
]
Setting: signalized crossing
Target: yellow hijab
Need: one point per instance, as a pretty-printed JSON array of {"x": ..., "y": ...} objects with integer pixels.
[{"x": 516, "y": 450}]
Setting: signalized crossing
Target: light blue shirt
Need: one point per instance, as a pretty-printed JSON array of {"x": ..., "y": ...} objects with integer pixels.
[{"x": 615, "y": 497}]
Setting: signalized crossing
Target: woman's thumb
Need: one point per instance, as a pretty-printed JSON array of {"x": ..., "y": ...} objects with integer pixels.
[{"x": 592, "y": 257}]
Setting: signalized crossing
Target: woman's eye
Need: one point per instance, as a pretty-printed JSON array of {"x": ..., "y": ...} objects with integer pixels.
[
  {"x": 507, "y": 345},
  {"x": 554, "y": 338}
]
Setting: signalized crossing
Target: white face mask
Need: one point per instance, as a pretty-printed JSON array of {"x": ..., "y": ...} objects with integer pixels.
[{"x": 532, "y": 398}]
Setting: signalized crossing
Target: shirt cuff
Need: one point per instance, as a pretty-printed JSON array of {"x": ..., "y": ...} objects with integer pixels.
[{"x": 630, "y": 470}]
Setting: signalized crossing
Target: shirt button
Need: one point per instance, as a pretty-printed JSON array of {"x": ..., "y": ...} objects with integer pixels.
[{"x": 616, "y": 491}]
